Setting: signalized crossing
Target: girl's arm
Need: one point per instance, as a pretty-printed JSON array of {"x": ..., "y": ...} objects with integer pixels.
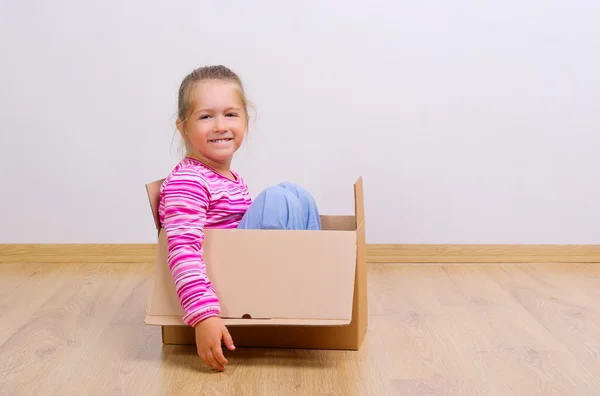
[{"x": 186, "y": 199}]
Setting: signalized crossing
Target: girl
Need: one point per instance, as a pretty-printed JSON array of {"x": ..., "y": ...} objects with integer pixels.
[{"x": 203, "y": 191}]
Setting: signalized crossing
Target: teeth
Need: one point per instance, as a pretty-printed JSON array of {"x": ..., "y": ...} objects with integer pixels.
[{"x": 220, "y": 140}]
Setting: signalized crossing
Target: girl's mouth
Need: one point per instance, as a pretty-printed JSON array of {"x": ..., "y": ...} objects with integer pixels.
[{"x": 220, "y": 141}]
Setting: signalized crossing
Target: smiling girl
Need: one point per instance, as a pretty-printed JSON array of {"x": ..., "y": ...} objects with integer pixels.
[{"x": 202, "y": 191}]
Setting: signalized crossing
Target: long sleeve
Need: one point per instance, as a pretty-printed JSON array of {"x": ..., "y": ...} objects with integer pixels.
[{"x": 185, "y": 199}]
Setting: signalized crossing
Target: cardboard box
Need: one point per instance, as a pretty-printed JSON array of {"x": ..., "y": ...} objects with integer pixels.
[{"x": 277, "y": 288}]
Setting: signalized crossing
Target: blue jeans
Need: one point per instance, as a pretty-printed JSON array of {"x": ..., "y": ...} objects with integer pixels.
[{"x": 285, "y": 206}]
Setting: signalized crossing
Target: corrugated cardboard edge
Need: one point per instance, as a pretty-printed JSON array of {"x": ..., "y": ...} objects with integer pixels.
[
  {"x": 157, "y": 320},
  {"x": 360, "y": 314}
]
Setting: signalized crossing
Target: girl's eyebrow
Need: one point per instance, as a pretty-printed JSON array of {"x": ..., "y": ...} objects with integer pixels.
[{"x": 210, "y": 109}]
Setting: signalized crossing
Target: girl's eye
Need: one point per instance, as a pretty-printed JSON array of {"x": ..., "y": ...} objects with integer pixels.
[
  {"x": 204, "y": 117},
  {"x": 232, "y": 115}
]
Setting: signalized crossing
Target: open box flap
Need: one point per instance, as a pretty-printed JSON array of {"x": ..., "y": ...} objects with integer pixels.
[
  {"x": 307, "y": 277},
  {"x": 153, "y": 192},
  {"x": 359, "y": 204}
]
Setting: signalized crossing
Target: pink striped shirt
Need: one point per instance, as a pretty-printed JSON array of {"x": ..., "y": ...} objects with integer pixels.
[{"x": 194, "y": 197}]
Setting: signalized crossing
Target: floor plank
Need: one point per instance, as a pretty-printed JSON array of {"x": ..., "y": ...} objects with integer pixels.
[
  {"x": 434, "y": 329},
  {"x": 26, "y": 287}
]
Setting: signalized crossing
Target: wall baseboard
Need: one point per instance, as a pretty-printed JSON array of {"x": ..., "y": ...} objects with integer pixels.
[
  {"x": 77, "y": 253},
  {"x": 376, "y": 253},
  {"x": 483, "y": 253}
]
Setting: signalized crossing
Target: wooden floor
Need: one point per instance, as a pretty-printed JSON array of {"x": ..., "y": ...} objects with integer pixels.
[{"x": 456, "y": 329}]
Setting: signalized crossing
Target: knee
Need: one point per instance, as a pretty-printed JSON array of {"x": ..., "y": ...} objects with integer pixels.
[
  {"x": 308, "y": 206},
  {"x": 296, "y": 189},
  {"x": 279, "y": 208},
  {"x": 278, "y": 195}
]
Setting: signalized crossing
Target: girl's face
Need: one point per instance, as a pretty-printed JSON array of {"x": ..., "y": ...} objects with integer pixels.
[{"x": 216, "y": 126}]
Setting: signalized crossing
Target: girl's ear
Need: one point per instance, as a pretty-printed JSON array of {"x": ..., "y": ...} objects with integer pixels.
[{"x": 180, "y": 126}]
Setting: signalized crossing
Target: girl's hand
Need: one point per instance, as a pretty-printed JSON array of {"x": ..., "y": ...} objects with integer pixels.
[{"x": 209, "y": 334}]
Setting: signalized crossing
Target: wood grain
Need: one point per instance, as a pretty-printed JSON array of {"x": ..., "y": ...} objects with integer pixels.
[
  {"x": 387, "y": 253},
  {"x": 434, "y": 329}
]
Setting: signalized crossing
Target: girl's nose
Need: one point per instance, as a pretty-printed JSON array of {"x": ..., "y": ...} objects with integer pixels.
[{"x": 219, "y": 124}]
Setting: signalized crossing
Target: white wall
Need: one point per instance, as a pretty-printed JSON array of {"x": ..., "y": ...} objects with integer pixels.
[{"x": 481, "y": 118}]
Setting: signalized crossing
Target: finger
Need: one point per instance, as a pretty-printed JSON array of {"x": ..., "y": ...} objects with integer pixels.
[
  {"x": 213, "y": 361},
  {"x": 227, "y": 339},
  {"x": 218, "y": 354},
  {"x": 204, "y": 358}
]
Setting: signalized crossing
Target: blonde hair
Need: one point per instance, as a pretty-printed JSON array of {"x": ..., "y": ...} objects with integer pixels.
[{"x": 191, "y": 81}]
